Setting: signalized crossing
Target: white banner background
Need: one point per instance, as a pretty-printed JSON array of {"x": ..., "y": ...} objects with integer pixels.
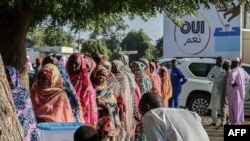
[{"x": 198, "y": 36}]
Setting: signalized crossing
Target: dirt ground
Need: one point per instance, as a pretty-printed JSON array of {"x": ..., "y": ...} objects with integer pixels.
[{"x": 216, "y": 134}]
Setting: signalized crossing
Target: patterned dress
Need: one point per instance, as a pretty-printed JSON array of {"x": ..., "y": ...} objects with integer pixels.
[
  {"x": 23, "y": 105},
  {"x": 69, "y": 89}
]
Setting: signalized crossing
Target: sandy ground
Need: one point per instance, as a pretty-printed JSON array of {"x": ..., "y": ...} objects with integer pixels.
[{"x": 216, "y": 134}]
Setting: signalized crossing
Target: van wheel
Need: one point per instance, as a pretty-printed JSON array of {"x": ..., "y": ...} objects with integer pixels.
[{"x": 199, "y": 104}]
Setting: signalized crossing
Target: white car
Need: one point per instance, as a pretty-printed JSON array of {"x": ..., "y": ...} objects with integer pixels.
[{"x": 196, "y": 92}]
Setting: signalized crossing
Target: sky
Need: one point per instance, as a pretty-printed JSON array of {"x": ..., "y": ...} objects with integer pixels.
[{"x": 153, "y": 27}]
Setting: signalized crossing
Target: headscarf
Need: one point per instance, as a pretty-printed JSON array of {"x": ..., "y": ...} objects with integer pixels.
[
  {"x": 69, "y": 89},
  {"x": 127, "y": 71},
  {"x": 51, "y": 104},
  {"x": 104, "y": 85},
  {"x": 63, "y": 60},
  {"x": 85, "y": 91},
  {"x": 140, "y": 77},
  {"x": 113, "y": 83},
  {"x": 49, "y": 59},
  {"x": 109, "y": 125},
  {"x": 39, "y": 60},
  {"x": 155, "y": 79},
  {"x": 23, "y": 106},
  {"x": 166, "y": 86},
  {"x": 90, "y": 63},
  {"x": 118, "y": 67}
]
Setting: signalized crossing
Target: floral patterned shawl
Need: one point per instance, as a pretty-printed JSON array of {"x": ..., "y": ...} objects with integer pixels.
[
  {"x": 109, "y": 124},
  {"x": 140, "y": 77},
  {"x": 23, "y": 106}
]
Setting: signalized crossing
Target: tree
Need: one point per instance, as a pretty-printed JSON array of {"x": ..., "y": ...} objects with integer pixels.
[
  {"x": 49, "y": 36},
  {"x": 159, "y": 48},
  {"x": 16, "y": 16},
  {"x": 111, "y": 35},
  {"x": 93, "y": 47},
  {"x": 10, "y": 128},
  {"x": 138, "y": 40}
]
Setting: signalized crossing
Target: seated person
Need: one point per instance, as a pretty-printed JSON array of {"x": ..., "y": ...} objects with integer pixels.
[
  {"x": 86, "y": 133},
  {"x": 169, "y": 124}
]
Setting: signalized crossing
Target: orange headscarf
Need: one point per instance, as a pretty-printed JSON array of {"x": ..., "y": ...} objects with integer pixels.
[
  {"x": 166, "y": 87},
  {"x": 51, "y": 104}
]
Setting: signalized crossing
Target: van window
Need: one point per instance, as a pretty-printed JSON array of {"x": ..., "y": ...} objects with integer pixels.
[{"x": 200, "y": 69}]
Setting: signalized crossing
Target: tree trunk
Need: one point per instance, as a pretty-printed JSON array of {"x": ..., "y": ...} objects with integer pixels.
[
  {"x": 13, "y": 30},
  {"x": 10, "y": 127}
]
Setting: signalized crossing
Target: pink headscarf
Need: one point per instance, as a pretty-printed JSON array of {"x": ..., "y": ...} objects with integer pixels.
[
  {"x": 51, "y": 104},
  {"x": 85, "y": 91},
  {"x": 90, "y": 63},
  {"x": 155, "y": 79}
]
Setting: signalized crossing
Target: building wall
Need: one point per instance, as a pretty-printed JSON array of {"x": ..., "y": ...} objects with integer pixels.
[
  {"x": 246, "y": 46},
  {"x": 67, "y": 50}
]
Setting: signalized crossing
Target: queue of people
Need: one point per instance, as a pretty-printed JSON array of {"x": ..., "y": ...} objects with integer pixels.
[
  {"x": 103, "y": 94},
  {"x": 229, "y": 82}
]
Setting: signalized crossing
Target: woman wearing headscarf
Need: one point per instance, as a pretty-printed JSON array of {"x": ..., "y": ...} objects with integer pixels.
[
  {"x": 23, "y": 105},
  {"x": 144, "y": 83},
  {"x": 128, "y": 73},
  {"x": 90, "y": 63},
  {"x": 69, "y": 89},
  {"x": 155, "y": 78},
  {"x": 166, "y": 86},
  {"x": 118, "y": 71},
  {"x": 109, "y": 125},
  {"x": 111, "y": 79},
  {"x": 135, "y": 93},
  {"x": 50, "y": 59},
  {"x": 50, "y": 101},
  {"x": 80, "y": 79}
]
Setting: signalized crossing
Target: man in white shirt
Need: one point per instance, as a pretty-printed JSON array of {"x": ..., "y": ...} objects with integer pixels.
[
  {"x": 169, "y": 124},
  {"x": 216, "y": 74}
]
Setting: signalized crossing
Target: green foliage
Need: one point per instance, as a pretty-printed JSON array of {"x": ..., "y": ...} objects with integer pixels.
[
  {"x": 41, "y": 37},
  {"x": 95, "y": 14},
  {"x": 111, "y": 35},
  {"x": 159, "y": 48},
  {"x": 93, "y": 47},
  {"x": 138, "y": 40}
]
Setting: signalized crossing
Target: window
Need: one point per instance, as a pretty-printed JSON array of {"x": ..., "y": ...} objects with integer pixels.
[
  {"x": 247, "y": 69},
  {"x": 200, "y": 69},
  {"x": 167, "y": 64}
]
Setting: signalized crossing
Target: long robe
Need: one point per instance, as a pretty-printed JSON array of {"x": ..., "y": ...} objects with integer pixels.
[
  {"x": 236, "y": 94},
  {"x": 85, "y": 91}
]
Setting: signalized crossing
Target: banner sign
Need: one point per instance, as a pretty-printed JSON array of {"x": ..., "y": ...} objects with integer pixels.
[{"x": 215, "y": 32}]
